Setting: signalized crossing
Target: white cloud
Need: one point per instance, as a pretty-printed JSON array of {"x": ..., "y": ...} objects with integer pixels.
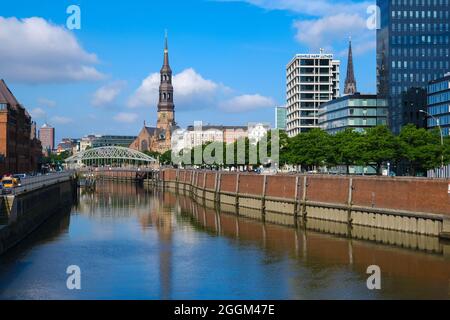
[
  {"x": 324, "y": 32},
  {"x": 47, "y": 103},
  {"x": 147, "y": 93},
  {"x": 125, "y": 117},
  {"x": 60, "y": 120},
  {"x": 190, "y": 90},
  {"x": 325, "y": 23},
  {"x": 107, "y": 94},
  {"x": 247, "y": 102},
  {"x": 38, "y": 113},
  {"x": 34, "y": 50}
]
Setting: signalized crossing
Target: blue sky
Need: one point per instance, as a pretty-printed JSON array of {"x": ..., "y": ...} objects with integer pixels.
[{"x": 228, "y": 57}]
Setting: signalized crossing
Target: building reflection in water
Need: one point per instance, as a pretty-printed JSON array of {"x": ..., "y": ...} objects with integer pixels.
[
  {"x": 315, "y": 247},
  {"x": 149, "y": 206},
  {"x": 419, "y": 259}
]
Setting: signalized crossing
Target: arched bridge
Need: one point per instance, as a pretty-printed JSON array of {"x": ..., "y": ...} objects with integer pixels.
[{"x": 110, "y": 156}]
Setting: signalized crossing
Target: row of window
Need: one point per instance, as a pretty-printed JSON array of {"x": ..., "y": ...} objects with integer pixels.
[
  {"x": 420, "y": 40},
  {"x": 164, "y": 96},
  {"x": 420, "y": 27},
  {"x": 443, "y": 120},
  {"x": 315, "y": 62},
  {"x": 439, "y": 109},
  {"x": 439, "y": 86},
  {"x": 359, "y": 112},
  {"x": 420, "y": 52},
  {"x": 420, "y": 65},
  {"x": 419, "y": 14},
  {"x": 420, "y": 2},
  {"x": 413, "y": 77},
  {"x": 352, "y": 122},
  {"x": 439, "y": 98}
]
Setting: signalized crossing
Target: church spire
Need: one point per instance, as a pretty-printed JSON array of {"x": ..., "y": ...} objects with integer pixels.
[
  {"x": 350, "y": 82},
  {"x": 166, "y": 66},
  {"x": 166, "y": 88}
]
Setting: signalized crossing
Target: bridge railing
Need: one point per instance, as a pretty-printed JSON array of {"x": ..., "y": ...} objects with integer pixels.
[{"x": 33, "y": 183}]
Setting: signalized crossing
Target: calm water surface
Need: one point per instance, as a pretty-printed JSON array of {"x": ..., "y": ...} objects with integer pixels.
[{"x": 133, "y": 243}]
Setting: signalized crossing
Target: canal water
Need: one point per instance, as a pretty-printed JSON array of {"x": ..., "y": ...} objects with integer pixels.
[{"x": 133, "y": 242}]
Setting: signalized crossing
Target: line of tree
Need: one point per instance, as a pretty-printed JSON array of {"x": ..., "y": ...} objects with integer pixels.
[{"x": 415, "y": 150}]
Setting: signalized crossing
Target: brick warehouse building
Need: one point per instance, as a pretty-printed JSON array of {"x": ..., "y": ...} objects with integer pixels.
[{"x": 20, "y": 151}]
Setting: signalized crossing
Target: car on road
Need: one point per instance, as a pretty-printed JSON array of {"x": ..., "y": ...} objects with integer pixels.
[{"x": 10, "y": 182}]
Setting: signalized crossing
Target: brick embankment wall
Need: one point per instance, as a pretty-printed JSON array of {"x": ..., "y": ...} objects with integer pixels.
[{"x": 420, "y": 206}]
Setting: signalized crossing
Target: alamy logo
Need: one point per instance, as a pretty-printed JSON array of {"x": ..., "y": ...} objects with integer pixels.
[
  {"x": 74, "y": 20},
  {"x": 373, "y": 21},
  {"x": 74, "y": 280},
  {"x": 374, "y": 281}
]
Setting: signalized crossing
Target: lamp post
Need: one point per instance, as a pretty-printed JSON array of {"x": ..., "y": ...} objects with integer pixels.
[{"x": 440, "y": 130}]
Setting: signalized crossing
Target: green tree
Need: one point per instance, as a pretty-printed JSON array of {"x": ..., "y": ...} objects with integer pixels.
[
  {"x": 420, "y": 149},
  {"x": 310, "y": 150},
  {"x": 379, "y": 146},
  {"x": 346, "y": 149}
]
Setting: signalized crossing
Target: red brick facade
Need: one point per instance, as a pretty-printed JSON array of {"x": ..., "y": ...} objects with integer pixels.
[{"x": 19, "y": 151}]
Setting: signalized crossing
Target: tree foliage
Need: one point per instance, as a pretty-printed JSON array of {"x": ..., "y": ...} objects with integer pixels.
[{"x": 418, "y": 150}]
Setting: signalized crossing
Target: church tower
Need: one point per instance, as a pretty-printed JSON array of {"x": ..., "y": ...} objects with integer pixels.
[
  {"x": 166, "y": 108},
  {"x": 350, "y": 82}
]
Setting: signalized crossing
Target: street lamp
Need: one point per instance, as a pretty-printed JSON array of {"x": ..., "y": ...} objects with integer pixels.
[{"x": 440, "y": 130}]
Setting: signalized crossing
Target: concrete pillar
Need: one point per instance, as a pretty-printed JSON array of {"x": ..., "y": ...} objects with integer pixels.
[
  {"x": 237, "y": 193},
  {"x": 296, "y": 203},
  {"x": 350, "y": 204},
  {"x": 304, "y": 197},
  {"x": 217, "y": 189},
  {"x": 204, "y": 188},
  {"x": 263, "y": 199},
  {"x": 445, "y": 233}
]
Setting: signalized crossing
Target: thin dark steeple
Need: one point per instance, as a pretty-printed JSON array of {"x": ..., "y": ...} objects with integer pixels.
[
  {"x": 166, "y": 88},
  {"x": 350, "y": 82},
  {"x": 166, "y": 65}
]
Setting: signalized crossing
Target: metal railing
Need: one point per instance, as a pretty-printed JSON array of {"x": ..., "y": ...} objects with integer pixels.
[
  {"x": 440, "y": 173},
  {"x": 33, "y": 183}
]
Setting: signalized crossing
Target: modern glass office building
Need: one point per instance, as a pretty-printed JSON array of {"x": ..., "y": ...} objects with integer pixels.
[
  {"x": 106, "y": 141},
  {"x": 439, "y": 104},
  {"x": 412, "y": 49},
  {"x": 358, "y": 112}
]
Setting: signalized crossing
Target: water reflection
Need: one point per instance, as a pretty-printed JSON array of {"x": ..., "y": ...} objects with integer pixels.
[{"x": 136, "y": 243}]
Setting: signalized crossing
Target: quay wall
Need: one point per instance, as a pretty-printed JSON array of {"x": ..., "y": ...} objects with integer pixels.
[
  {"x": 25, "y": 212},
  {"x": 414, "y": 205}
]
